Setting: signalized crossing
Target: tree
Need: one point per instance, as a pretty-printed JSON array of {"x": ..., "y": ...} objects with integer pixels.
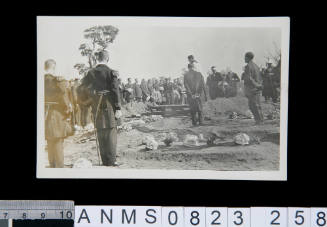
[
  {"x": 98, "y": 38},
  {"x": 275, "y": 55}
]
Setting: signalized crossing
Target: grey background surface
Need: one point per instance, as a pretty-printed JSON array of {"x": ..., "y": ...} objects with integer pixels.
[{"x": 3, "y": 223}]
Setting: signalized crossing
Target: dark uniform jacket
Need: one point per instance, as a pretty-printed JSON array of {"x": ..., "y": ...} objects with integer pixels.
[
  {"x": 267, "y": 77},
  {"x": 213, "y": 79},
  {"x": 99, "y": 79},
  {"x": 194, "y": 86},
  {"x": 56, "y": 105},
  {"x": 252, "y": 78}
]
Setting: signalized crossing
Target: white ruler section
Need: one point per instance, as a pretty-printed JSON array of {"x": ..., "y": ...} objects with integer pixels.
[
  {"x": 148, "y": 216},
  {"x": 34, "y": 209}
]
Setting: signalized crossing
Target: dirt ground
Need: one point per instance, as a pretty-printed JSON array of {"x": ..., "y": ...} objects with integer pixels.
[{"x": 263, "y": 154}]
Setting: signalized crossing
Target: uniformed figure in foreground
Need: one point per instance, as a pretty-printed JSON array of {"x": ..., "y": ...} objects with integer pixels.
[
  {"x": 253, "y": 87},
  {"x": 196, "y": 93},
  {"x": 57, "y": 112},
  {"x": 102, "y": 84}
]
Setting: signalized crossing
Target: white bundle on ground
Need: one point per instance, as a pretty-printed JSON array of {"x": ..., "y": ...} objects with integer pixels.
[
  {"x": 147, "y": 139},
  {"x": 152, "y": 118},
  {"x": 191, "y": 140},
  {"x": 150, "y": 143},
  {"x": 136, "y": 122},
  {"x": 242, "y": 139},
  {"x": 249, "y": 114},
  {"x": 82, "y": 163},
  {"x": 124, "y": 127}
]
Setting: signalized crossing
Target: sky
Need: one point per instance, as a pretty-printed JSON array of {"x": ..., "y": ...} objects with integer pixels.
[{"x": 146, "y": 51}]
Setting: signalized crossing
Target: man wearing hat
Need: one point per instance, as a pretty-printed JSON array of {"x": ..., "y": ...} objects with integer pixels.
[
  {"x": 102, "y": 83},
  {"x": 253, "y": 86}
]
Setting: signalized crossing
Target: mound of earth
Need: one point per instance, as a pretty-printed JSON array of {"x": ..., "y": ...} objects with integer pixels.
[{"x": 132, "y": 109}]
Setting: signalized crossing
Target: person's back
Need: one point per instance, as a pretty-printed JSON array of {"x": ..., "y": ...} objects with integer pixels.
[
  {"x": 253, "y": 86},
  {"x": 104, "y": 90},
  {"x": 56, "y": 113},
  {"x": 252, "y": 75}
]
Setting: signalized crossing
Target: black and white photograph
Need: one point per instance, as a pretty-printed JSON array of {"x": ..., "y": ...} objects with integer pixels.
[{"x": 162, "y": 97}]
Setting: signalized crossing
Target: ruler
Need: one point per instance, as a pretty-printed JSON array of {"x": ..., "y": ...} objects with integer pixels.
[{"x": 34, "y": 209}]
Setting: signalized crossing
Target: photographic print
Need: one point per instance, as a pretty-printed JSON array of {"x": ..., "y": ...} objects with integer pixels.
[{"x": 162, "y": 97}]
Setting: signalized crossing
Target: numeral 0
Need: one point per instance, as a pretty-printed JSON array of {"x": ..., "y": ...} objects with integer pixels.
[
  {"x": 273, "y": 222},
  {"x": 169, "y": 218},
  {"x": 69, "y": 214}
]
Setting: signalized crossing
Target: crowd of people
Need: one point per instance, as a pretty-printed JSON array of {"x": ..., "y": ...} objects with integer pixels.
[
  {"x": 158, "y": 91},
  {"x": 165, "y": 91},
  {"x": 97, "y": 98}
]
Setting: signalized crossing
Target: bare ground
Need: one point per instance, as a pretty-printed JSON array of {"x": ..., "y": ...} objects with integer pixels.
[{"x": 225, "y": 156}]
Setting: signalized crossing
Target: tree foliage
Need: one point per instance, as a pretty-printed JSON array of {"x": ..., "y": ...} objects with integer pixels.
[
  {"x": 275, "y": 55},
  {"x": 97, "y": 38}
]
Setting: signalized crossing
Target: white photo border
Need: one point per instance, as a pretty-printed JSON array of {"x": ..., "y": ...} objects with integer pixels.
[{"x": 107, "y": 173}]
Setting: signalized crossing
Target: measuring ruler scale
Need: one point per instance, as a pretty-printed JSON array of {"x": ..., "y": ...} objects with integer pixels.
[{"x": 43, "y": 210}]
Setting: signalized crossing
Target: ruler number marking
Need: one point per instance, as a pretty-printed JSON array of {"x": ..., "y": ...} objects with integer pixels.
[
  {"x": 176, "y": 218},
  {"x": 195, "y": 217},
  {"x": 299, "y": 216},
  {"x": 321, "y": 218},
  {"x": 273, "y": 222},
  {"x": 239, "y": 217},
  {"x": 68, "y": 215},
  {"x": 215, "y": 221}
]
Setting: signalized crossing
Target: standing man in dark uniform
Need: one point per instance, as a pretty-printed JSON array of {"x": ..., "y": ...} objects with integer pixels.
[
  {"x": 212, "y": 83},
  {"x": 253, "y": 87},
  {"x": 57, "y": 112},
  {"x": 232, "y": 80},
  {"x": 196, "y": 92},
  {"x": 102, "y": 83},
  {"x": 267, "y": 77}
]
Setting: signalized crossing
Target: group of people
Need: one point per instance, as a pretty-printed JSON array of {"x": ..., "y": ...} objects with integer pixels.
[
  {"x": 157, "y": 91},
  {"x": 101, "y": 93},
  {"x": 222, "y": 84},
  {"x": 165, "y": 91}
]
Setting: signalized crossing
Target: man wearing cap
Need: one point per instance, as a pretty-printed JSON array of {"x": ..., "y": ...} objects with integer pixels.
[
  {"x": 196, "y": 65},
  {"x": 102, "y": 83},
  {"x": 196, "y": 93},
  {"x": 267, "y": 81},
  {"x": 253, "y": 86}
]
